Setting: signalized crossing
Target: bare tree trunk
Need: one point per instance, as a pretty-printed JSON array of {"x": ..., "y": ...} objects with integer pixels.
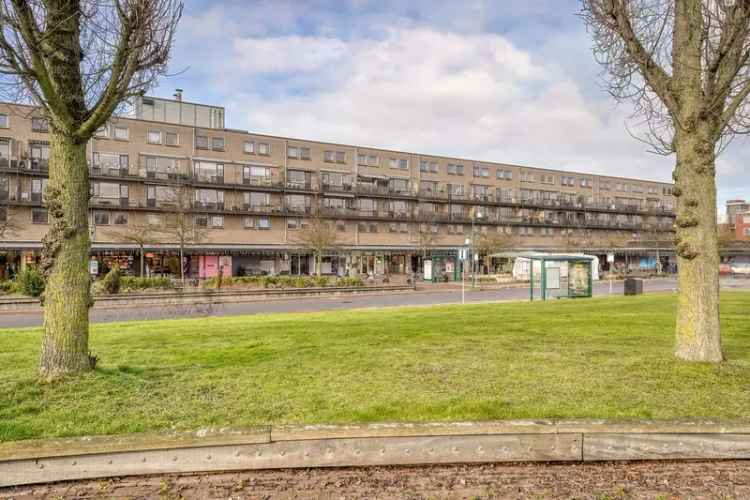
[
  {"x": 66, "y": 252},
  {"x": 182, "y": 267},
  {"x": 318, "y": 264},
  {"x": 142, "y": 259},
  {"x": 697, "y": 331}
]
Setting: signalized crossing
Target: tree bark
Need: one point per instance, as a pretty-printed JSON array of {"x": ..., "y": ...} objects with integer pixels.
[
  {"x": 65, "y": 260},
  {"x": 142, "y": 257},
  {"x": 698, "y": 336}
]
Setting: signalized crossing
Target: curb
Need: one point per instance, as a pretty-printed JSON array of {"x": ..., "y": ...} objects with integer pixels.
[
  {"x": 274, "y": 447},
  {"x": 29, "y": 305}
]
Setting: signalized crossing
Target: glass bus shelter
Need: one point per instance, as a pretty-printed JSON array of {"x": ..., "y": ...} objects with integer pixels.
[{"x": 559, "y": 275}]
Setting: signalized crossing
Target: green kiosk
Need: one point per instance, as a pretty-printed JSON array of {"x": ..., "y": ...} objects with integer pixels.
[{"x": 559, "y": 275}]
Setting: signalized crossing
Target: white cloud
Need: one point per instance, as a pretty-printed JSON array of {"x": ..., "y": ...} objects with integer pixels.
[
  {"x": 286, "y": 54},
  {"x": 468, "y": 95}
]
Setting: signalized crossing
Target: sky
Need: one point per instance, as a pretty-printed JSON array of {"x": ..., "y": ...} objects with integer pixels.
[{"x": 507, "y": 81}]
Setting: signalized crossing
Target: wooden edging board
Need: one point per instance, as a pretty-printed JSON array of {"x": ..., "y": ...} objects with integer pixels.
[{"x": 270, "y": 447}]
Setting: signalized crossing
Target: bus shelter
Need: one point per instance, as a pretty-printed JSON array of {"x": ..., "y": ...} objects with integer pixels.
[{"x": 559, "y": 275}]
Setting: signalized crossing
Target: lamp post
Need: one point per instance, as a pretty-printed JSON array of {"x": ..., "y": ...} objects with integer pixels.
[{"x": 475, "y": 258}]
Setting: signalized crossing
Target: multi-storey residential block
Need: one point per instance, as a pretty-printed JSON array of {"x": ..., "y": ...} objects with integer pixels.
[
  {"x": 734, "y": 208},
  {"x": 251, "y": 194}
]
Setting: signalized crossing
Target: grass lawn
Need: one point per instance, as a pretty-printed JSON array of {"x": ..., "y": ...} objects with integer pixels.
[{"x": 601, "y": 358}]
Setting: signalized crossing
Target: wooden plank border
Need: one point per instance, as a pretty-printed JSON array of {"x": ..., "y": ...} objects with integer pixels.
[{"x": 268, "y": 447}]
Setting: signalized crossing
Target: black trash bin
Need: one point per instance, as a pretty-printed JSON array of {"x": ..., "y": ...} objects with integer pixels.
[{"x": 633, "y": 286}]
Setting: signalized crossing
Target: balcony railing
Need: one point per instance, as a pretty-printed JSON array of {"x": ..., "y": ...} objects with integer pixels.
[
  {"x": 261, "y": 181},
  {"x": 209, "y": 179},
  {"x": 208, "y": 205},
  {"x": 101, "y": 201},
  {"x": 108, "y": 170},
  {"x": 303, "y": 186}
]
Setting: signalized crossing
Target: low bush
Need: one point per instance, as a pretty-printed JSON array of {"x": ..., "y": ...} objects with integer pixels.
[
  {"x": 6, "y": 286},
  {"x": 144, "y": 283},
  {"x": 282, "y": 282},
  {"x": 29, "y": 282}
]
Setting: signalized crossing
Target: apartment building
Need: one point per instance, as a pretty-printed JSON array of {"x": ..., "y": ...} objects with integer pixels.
[{"x": 251, "y": 195}]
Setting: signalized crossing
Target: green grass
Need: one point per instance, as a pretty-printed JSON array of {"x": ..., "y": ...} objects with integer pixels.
[{"x": 602, "y": 358}]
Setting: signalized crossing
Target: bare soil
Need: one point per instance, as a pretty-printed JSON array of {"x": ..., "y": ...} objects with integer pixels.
[{"x": 600, "y": 481}]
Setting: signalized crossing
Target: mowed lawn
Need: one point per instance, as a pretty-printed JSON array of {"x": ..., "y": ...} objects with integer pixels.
[{"x": 602, "y": 358}]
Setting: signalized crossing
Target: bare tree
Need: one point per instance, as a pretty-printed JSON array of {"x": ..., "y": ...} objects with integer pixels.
[
  {"x": 138, "y": 234},
  {"x": 489, "y": 243},
  {"x": 182, "y": 223},
  {"x": 425, "y": 238},
  {"x": 318, "y": 236},
  {"x": 686, "y": 66},
  {"x": 78, "y": 61}
]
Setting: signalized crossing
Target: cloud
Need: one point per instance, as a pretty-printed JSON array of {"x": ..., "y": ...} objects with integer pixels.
[{"x": 467, "y": 95}]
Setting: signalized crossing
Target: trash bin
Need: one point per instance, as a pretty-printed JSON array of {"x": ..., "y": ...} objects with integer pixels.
[{"x": 633, "y": 286}]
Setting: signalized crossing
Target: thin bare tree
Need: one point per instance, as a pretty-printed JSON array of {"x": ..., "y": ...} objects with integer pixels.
[
  {"x": 181, "y": 224},
  {"x": 138, "y": 234},
  {"x": 686, "y": 66},
  {"x": 78, "y": 61},
  {"x": 318, "y": 236}
]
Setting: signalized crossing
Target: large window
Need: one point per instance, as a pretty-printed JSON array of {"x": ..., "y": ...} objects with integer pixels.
[
  {"x": 160, "y": 167},
  {"x": 39, "y": 215},
  {"x": 398, "y": 185},
  {"x": 298, "y": 178},
  {"x": 298, "y": 202},
  {"x": 256, "y": 175},
  {"x": 206, "y": 171},
  {"x": 209, "y": 198},
  {"x": 4, "y": 122},
  {"x": 37, "y": 189},
  {"x": 257, "y": 200},
  {"x": 109, "y": 193},
  {"x": 110, "y": 163},
  {"x": 39, "y": 124}
]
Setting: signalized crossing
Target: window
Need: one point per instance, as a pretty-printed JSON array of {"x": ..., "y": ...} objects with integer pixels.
[
  {"x": 248, "y": 147},
  {"x": 292, "y": 223},
  {"x": 373, "y": 227},
  {"x": 122, "y": 133},
  {"x": 257, "y": 200},
  {"x": 102, "y": 132},
  {"x": 171, "y": 139},
  {"x": 586, "y": 183},
  {"x": 340, "y": 226},
  {"x": 205, "y": 171},
  {"x": 298, "y": 153},
  {"x": 39, "y": 124},
  {"x": 39, "y": 216},
  {"x": 368, "y": 160},
  {"x": 456, "y": 189},
  {"x": 201, "y": 141},
  {"x": 4, "y": 122},
  {"x": 547, "y": 179},
  {"x": 399, "y": 163},
  {"x": 481, "y": 171},
  {"x": 527, "y": 177},
  {"x": 211, "y": 221},
  {"x": 264, "y": 148},
  {"x": 566, "y": 180},
  {"x": 392, "y": 227},
  {"x": 154, "y": 137},
  {"x": 455, "y": 169},
  {"x": 340, "y": 157},
  {"x": 121, "y": 219},
  {"x": 101, "y": 218},
  {"x": 504, "y": 174},
  {"x": 261, "y": 223},
  {"x": 217, "y": 143},
  {"x": 428, "y": 166},
  {"x": 209, "y": 198},
  {"x": 604, "y": 185}
]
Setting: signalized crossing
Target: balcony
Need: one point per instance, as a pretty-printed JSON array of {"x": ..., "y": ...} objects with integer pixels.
[
  {"x": 209, "y": 179},
  {"x": 262, "y": 209},
  {"x": 297, "y": 209},
  {"x": 433, "y": 194},
  {"x": 108, "y": 170},
  {"x": 162, "y": 175},
  {"x": 99, "y": 201},
  {"x": 258, "y": 181},
  {"x": 208, "y": 205},
  {"x": 300, "y": 186},
  {"x": 337, "y": 188}
]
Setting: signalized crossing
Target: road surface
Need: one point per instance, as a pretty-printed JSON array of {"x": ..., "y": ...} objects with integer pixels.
[{"x": 427, "y": 295}]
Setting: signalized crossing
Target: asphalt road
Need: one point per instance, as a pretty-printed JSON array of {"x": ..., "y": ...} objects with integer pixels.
[{"x": 423, "y": 297}]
